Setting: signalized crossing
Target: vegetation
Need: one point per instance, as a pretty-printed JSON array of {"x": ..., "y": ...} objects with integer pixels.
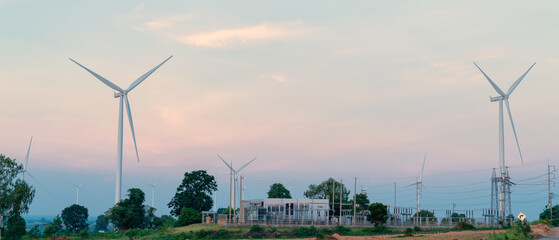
[
  {"x": 464, "y": 226},
  {"x": 188, "y": 216},
  {"x": 75, "y": 218},
  {"x": 519, "y": 231},
  {"x": 362, "y": 202},
  {"x": 101, "y": 223},
  {"x": 325, "y": 189},
  {"x": 15, "y": 227},
  {"x": 378, "y": 214},
  {"x": 55, "y": 227},
  {"x": 194, "y": 192},
  {"x": 424, "y": 214},
  {"x": 544, "y": 215},
  {"x": 129, "y": 213},
  {"x": 15, "y": 195},
  {"x": 277, "y": 190}
]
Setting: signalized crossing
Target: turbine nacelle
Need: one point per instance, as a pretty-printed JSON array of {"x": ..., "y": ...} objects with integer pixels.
[
  {"x": 498, "y": 98},
  {"x": 119, "y": 94}
]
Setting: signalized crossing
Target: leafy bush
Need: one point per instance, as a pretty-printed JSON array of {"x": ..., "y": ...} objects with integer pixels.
[
  {"x": 303, "y": 232},
  {"x": 84, "y": 233},
  {"x": 341, "y": 229},
  {"x": 188, "y": 216},
  {"x": 202, "y": 234},
  {"x": 380, "y": 229},
  {"x": 256, "y": 229},
  {"x": 464, "y": 226},
  {"x": 409, "y": 232},
  {"x": 326, "y": 231},
  {"x": 416, "y": 229}
]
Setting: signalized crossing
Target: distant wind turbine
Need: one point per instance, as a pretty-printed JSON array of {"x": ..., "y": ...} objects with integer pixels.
[
  {"x": 153, "y": 191},
  {"x": 122, "y": 94},
  {"x": 25, "y": 171},
  {"x": 77, "y": 192},
  {"x": 419, "y": 184},
  {"x": 504, "y": 97},
  {"x": 234, "y": 176}
]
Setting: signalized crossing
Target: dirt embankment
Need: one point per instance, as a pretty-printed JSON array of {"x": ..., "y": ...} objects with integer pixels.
[{"x": 542, "y": 230}]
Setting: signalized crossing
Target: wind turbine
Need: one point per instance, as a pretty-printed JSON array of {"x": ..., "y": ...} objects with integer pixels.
[
  {"x": 77, "y": 192},
  {"x": 122, "y": 94},
  {"x": 153, "y": 191},
  {"x": 504, "y": 97},
  {"x": 234, "y": 181},
  {"x": 26, "y": 160},
  {"x": 25, "y": 171},
  {"x": 419, "y": 184}
]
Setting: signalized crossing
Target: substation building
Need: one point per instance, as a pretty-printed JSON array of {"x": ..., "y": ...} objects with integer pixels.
[{"x": 285, "y": 211}]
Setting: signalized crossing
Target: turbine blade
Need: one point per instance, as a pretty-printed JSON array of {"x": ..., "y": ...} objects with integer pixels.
[
  {"x": 72, "y": 184},
  {"x": 143, "y": 77},
  {"x": 104, "y": 80},
  {"x": 229, "y": 166},
  {"x": 37, "y": 181},
  {"x": 422, "y": 167},
  {"x": 491, "y": 82},
  {"x": 27, "y": 156},
  {"x": 148, "y": 184},
  {"x": 246, "y": 165},
  {"x": 514, "y": 129},
  {"x": 131, "y": 125},
  {"x": 515, "y": 84}
]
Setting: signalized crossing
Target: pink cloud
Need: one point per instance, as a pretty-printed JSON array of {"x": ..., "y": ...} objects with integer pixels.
[
  {"x": 167, "y": 22},
  {"x": 227, "y": 37}
]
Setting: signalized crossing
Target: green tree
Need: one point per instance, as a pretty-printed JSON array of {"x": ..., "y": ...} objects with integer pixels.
[
  {"x": 75, "y": 218},
  {"x": 277, "y": 190},
  {"x": 425, "y": 214},
  {"x": 15, "y": 195},
  {"x": 15, "y": 227},
  {"x": 378, "y": 214},
  {"x": 35, "y": 232},
  {"x": 188, "y": 216},
  {"x": 194, "y": 192},
  {"x": 130, "y": 212},
  {"x": 324, "y": 191},
  {"x": 544, "y": 215},
  {"x": 362, "y": 201},
  {"x": 54, "y": 227},
  {"x": 101, "y": 223}
]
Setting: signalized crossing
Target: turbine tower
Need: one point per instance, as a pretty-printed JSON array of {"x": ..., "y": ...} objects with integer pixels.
[
  {"x": 153, "y": 191},
  {"x": 77, "y": 192},
  {"x": 122, "y": 94},
  {"x": 504, "y": 97},
  {"x": 234, "y": 181}
]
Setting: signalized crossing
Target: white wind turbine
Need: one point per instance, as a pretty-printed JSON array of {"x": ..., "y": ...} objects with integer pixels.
[
  {"x": 419, "y": 184},
  {"x": 153, "y": 186},
  {"x": 25, "y": 171},
  {"x": 234, "y": 181},
  {"x": 504, "y": 97},
  {"x": 122, "y": 94},
  {"x": 77, "y": 191}
]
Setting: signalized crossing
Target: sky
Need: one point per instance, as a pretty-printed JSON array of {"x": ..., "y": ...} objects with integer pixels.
[{"x": 314, "y": 89}]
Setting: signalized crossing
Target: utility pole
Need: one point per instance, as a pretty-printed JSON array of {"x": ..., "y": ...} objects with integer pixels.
[
  {"x": 341, "y": 192},
  {"x": 333, "y": 199},
  {"x": 354, "y": 200},
  {"x": 417, "y": 198},
  {"x": 550, "y": 196},
  {"x": 394, "y": 198}
]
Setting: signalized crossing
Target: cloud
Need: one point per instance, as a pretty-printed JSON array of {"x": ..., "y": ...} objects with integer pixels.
[
  {"x": 228, "y": 37},
  {"x": 275, "y": 77},
  {"x": 167, "y": 22}
]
